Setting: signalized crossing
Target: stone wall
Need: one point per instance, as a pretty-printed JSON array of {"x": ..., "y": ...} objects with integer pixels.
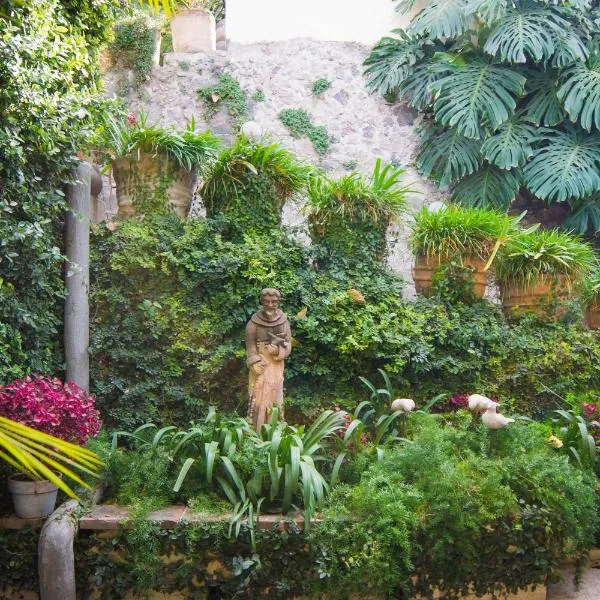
[{"x": 362, "y": 127}]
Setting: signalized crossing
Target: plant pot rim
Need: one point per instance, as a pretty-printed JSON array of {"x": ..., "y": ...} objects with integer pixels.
[{"x": 19, "y": 483}]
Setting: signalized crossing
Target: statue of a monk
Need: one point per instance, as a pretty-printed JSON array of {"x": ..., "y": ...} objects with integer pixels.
[{"x": 268, "y": 344}]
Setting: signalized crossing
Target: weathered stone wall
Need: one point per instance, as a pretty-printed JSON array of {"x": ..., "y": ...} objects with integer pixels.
[{"x": 363, "y": 127}]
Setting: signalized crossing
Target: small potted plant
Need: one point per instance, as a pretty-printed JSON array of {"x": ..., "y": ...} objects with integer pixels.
[
  {"x": 469, "y": 237},
  {"x": 538, "y": 270},
  {"x": 155, "y": 168},
  {"x": 63, "y": 411},
  {"x": 591, "y": 297},
  {"x": 353, "y": 213}
]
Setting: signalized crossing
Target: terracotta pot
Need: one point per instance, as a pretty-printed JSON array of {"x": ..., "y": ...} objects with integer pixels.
[
  {"x": 152, "y": 184},
  {"x": 592, "y": 314},
  {"x": 542, "y": 298},
  {"x": 425, "y": 267},
  {"x": 32, "y": 499}
]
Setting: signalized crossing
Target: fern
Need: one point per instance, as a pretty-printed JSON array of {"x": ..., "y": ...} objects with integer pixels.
[
  {"x": 447, "y": 156},
  {"x": 489, "y": 187},
  {"x": 442, "y": 20},
  {"x": 476, "y": 93},
  {"x": 567, "y": 165},
  {"x": 511, "y": 145},
  {"x": 543, "y": 106},
  {"x": 524, "y": 32},
  {"x": 580, "y": 92}
]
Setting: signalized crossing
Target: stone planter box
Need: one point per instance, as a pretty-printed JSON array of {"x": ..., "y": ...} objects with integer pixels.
[{"x": 194, "y": 30}]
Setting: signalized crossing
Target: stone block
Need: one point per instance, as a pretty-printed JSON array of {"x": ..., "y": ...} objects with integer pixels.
[
  {"x": 194, "y": 30},
  {"x": 104, "y": 517}
]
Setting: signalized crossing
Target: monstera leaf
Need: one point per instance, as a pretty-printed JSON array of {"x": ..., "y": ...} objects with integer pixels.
[
  {"x": 489, "y": 187},
  {"x": 585, "y": 216},
  {"x": 567, "y": 165},
  {"x": 511, "y": 145},
  {"x": 569, "y": 48},
  {"x": 446, "y": 156},
  {"x": 543, "y": 106},
  {"x": 580, "y": 92},
  {"x": 417, "y": 87},
  {"x": 488, "y": 11},
  {"x": 391, "y": 61},
  {"x": 474, "y": 93},
  {"x": 524, "y": 32},
  {"x": 442, "y": 20}
]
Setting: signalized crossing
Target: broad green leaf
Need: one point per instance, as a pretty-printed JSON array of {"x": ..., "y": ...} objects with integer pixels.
[
  {"x": 580, "y": 93},
  {"x": 567, "y": 165},
  {"x": 585, "y": 217},
  {"x": 445, "y": 155},
  {"x": 511, "y": 144},
  {"x": 442, "y": 20},
  {"x": 542, "y": 106},
  {"x": 489, "y": 11},
  {"x": 569, "y": 48},
  {"x": 524, "y": 32},
  {"x": 476, "y": 93},
  {"x": 490, "y": 187},
  {"x": 416, "y": 86}
]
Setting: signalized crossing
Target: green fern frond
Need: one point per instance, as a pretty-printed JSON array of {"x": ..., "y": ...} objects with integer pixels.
[
  {"x": 511, "y": 145},
  {"x": 442, "y": 20},
  {"x": 476, "y": 93},
  {"x": 524, "y": 32},
  {"x": 543, "y": 106},
  {"x": 580, "y": 92},
  {"x": 490, "y": 187},
  {"x": 566, "y": 166},
  {"x": 445, "y": 155}
]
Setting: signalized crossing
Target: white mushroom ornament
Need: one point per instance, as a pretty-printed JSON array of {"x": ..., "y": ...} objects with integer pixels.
[
  {"x": 404, "y": 405},
  {"x": 479, "y": 404},
  {"x": 488, "y": 410}
]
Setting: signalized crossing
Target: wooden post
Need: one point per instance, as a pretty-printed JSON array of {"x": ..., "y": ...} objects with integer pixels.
[{"x": 77, "y": 249}]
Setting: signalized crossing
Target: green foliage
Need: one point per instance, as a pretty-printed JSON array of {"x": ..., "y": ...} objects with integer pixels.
[
  {"x": 455, "y": 232},
  {"x": 18, "y": 557},
  {"x": 320, "y": 86},
  {"x": 578, "y": 442},
  {"x": 227, "y": 92},
  {"x": 486, "y": 75},
  {"x": 129, "y": 137},
  {"x": 258, "y": 96},
  {"x": 350, "y": 165},
  {"x": 48, "y": 56},
  {"x": 443, "y": 496},
  {"x": 351, "y": 215},
  {"x": 250, "y": 181},
  {"x": 531, "y": 256},
  {"x": 133, "y": 44},
  {"x": 299, "y": 124}
]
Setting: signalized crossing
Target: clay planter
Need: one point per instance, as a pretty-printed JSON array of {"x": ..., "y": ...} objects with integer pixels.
[
  {"x": 32, "y": 499},
  {"x": 151, "y": 184},
  {"x": 425, "y": 267},
  {"x": 542, "y": 298},
  {"x": 592, "y": 314}
]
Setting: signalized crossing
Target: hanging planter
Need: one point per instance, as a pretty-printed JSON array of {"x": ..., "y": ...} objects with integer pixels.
[
  {"x": 155, "y": 168},
  {"x": 538, "y": 270},
  {"x": 462, "y": 241}
]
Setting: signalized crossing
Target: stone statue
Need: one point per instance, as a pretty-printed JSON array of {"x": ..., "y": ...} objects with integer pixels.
[{"x": 268, "y": 344}]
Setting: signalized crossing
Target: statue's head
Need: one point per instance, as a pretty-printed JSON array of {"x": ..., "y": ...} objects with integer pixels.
[{"x": 269, "y": 298}]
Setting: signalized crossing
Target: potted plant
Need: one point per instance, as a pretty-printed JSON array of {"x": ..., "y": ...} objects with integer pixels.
[
  {"x": 155, "y": 168},
  {"x": 63, "y": 415},
  {"x": 469, "y": 237},
  {"x": 353, "y": 213},
  {"x": 591, "y": 297},
  {"x": 251, "y": 182},
  {"x": 538, "y": 269}
]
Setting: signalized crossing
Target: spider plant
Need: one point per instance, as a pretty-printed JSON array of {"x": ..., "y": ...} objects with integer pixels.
[
  {"x": 579, "y": 444},
  {"x": 248, "y": 163},
  {"x": 531, "y": 257},
  {"x": 41, "y": 456},
  {"x": 456, "y": 231},
  {"x": 132, "y": 137}
]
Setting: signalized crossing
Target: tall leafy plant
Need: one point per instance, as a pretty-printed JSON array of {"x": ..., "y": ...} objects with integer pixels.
[{"x": 510, "y": 95}]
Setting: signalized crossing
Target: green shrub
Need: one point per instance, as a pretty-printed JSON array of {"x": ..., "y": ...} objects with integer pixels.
[
  {"x": 320, "y": 86},
  {"x": 455, "y": 509},
  {"x": 299, "y": 125},
  {"x": 228, "y": 92}
]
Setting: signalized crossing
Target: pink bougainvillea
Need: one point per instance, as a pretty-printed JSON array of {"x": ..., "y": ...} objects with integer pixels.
[{"x": 45, "y": 403}]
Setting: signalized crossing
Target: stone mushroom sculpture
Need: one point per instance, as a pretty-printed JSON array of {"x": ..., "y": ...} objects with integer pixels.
[
  {"x": 494, "y": 420},
  {"x": 404, "y": 405},
  {"x": 479, "y": 404}
]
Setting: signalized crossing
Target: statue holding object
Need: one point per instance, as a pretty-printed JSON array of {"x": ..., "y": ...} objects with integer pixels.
[{"x": 268, "y": 344}]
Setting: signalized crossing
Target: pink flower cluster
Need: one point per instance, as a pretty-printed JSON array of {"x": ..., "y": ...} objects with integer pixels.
[
  {"x": 131, "y": 119},
  {"x": 46, "y": 404},
  {"x": 460, "y": 400},
  {"x": 590, "y": 410}
]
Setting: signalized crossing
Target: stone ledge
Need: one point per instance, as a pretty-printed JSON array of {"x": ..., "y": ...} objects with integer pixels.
[{"x": 14, "y": 522}]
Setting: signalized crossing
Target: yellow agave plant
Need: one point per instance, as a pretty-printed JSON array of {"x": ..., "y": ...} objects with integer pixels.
[{"x": 41, "y": 456}]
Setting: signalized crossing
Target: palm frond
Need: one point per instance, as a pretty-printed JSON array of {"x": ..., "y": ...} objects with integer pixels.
[
  {"x": 476, "y": 93},
  {"x": 565, "y": 166},
  {"x": 511, "y": 144},
  {"x": 445, "y": 155},
  {"x": 490, "y": 187}
]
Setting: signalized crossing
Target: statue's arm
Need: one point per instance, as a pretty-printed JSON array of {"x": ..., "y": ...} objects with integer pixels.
[{"x": 252, "y": 355}]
